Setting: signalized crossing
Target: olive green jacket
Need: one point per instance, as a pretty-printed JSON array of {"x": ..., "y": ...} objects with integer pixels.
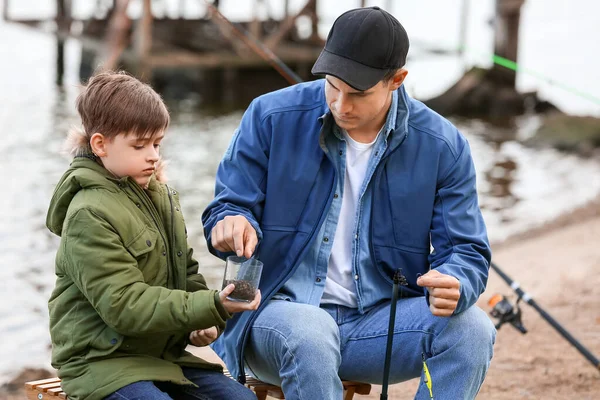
[{"x": 127, "y": 290}]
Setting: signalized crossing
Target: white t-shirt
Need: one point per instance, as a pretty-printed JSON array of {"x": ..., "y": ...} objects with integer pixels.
[{"x": 339, "y": 286}]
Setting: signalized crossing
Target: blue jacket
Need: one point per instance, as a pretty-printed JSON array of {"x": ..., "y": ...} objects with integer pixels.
[{"x": 278, "y": 174}]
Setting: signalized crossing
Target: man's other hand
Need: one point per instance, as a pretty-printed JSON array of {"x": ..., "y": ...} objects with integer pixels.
[{"x": 444, "y": 292}]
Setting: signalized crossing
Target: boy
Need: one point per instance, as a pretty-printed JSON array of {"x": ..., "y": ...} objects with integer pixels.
[{"x": 127, "y": 292}]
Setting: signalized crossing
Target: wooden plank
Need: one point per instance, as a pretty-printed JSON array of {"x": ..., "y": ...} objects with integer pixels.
[
  {"x": 34, "y": 384},
  {"x": 45, "y": 387},
  {"x": 55, "y": 391},
  {"x": 184, "y": 58}
]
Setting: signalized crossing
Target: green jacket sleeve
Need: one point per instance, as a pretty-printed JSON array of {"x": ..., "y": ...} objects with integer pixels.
[
  {"x": 194, "y": 280},
  {"x": 107, "y": 274}
]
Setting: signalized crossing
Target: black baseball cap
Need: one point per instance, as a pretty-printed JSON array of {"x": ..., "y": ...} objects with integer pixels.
[{"x": 362, "y": 45}]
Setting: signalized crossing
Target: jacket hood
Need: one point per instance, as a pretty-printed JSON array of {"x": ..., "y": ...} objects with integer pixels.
[{"x": 85, "y": 172}]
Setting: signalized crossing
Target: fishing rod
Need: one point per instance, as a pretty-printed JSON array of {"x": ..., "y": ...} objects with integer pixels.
[
  {"x": 257, "y": 46},
  {"x": 506, "y": 312},
  {"x": 509, "y": 64},
  {"x": 399, "y": 279}
]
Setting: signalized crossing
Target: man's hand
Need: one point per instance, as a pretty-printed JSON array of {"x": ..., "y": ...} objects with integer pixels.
[
  {"x": 204, "y": 337},
  {"x": 234, "y": 233},
  {"x": 238, "y": 306},
  {"x": 444, "y": 292}
]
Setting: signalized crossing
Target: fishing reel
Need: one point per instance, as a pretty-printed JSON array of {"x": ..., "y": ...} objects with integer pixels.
[{"x": 504, "y": 311}]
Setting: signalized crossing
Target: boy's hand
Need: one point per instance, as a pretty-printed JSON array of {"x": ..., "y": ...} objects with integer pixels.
[
  {"x": 238, "y": 306},
  {"x": 234, "y": 233},
  {"x": 204, "y": 337},
  {"x": 444, "y": 292}
]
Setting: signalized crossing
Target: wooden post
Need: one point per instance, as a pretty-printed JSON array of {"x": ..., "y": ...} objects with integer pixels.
[
  {"x": 63, "y": 23},
  {"x": 116, "y": 35},
  {"x": 314, "y": 17},
  {"x": 60, "y": 60},
  {"x": 506, "y": 39},
  {"x": 363, "y": 3},
  {"x": 5, "y": 10},
  {"x": 143, "y": 42},
  {"x": 256, "y": 25}
]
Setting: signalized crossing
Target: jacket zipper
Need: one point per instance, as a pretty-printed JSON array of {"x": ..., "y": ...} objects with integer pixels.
[
  {"x": 173, "y": 260},
  {"x": 378, "y": 172}
]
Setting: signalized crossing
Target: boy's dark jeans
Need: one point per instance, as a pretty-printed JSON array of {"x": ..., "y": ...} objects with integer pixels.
[{"x": 212, "y": 385}]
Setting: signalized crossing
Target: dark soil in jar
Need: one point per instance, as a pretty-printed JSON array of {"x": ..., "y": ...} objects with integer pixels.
[{"x": 244, "y": 290}]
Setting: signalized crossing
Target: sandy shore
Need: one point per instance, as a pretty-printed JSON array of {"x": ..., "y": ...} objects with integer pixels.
[{"x": 559, "y": 265}]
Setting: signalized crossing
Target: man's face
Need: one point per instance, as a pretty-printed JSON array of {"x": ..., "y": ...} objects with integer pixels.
[{"x": 356, "y": 111}]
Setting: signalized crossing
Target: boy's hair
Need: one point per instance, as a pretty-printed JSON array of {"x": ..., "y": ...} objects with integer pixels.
[{"x": 114, "y": 103}]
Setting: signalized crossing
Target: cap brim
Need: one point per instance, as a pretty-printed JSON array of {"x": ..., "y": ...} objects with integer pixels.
[{"x": 359, "y": 76}]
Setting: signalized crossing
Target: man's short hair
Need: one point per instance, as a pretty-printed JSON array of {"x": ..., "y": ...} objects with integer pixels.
[{"x": 389, "y": 74}]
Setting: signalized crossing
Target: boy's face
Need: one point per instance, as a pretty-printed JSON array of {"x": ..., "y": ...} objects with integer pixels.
[{"x": 128, "y": 155}]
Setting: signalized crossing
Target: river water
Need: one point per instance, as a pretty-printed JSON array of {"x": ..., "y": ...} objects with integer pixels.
[{"x": 519, "y": 187}]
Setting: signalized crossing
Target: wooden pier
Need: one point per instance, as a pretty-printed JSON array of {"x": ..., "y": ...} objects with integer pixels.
[{"x": 225, "y": 63}]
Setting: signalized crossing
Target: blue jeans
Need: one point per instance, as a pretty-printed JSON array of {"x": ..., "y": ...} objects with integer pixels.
[
  {"x": 212, "y": 385},
  {"x": 292, "y": 345}
]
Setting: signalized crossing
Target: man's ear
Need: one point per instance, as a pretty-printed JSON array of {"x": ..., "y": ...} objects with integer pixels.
[
  {"x": 98, "y": 144},
  {"x": 398, "y": 78}
]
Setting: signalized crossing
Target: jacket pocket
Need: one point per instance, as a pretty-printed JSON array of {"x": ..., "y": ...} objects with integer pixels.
[
  {"x": 152, "y": 346},
  {"x": 388, "y": 259},
  {"x": 142, "y": 243},
  {"x": 143, "y": 247},
  {"x": 105, "y": 343}
]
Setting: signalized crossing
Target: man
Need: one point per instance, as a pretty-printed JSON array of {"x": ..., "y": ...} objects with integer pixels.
[{"x": 336, "y": 184}]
